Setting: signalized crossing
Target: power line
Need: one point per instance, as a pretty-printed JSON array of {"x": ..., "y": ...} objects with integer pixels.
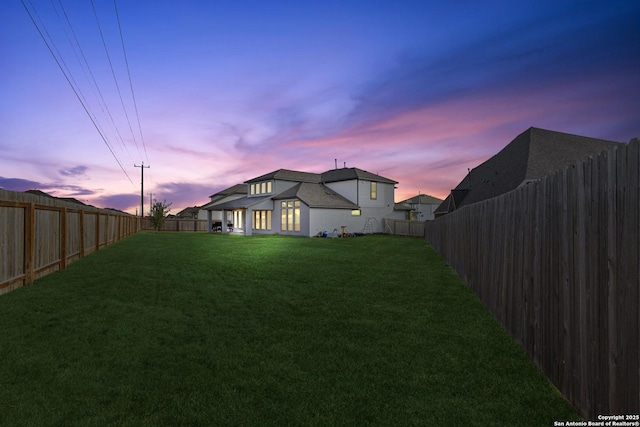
[
  {"x": 103, "y": 105},
  {"x": 115, "y": 80},
  {"x": 126, "y": 61},
  {"x": 75, "y": 91}
]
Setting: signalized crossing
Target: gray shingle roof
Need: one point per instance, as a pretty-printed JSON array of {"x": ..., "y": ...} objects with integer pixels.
[
  {"x": 424, "y": 199},
  {"x": 287, "y": 175},
  {"x": 532, "y": 155},
  {"x": 241, "y": 203},
  {"x": 236, "y": 189},
  {"x": 316, "y": 196},
  {"x": 333, "y": 175},
  {"x": 347, "y": 174},
  {"x": 190, "y": 212}
]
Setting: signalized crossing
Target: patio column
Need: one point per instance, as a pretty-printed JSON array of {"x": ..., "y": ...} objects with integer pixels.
[
  {"x": 224, "y": 222},
  {"x": 209, "y": 230},
  {"x": 248, "y": 226}
]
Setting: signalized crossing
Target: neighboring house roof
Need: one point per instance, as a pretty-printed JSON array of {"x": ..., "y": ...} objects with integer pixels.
[
  {"x": 287, "y": 175},
  {"x": 401, "y": 206},
  {"x": 65, "y": 199},
  {"x": 532, "y": 155},
  {"x": 316, "y": 196},
  {"x": 236, "y": 189},
  {"x": 40, "y": 193},
  {"x": 190, "y": 212},
  {"x": 347, "y": 174},
  {"x": 423, "y": 199},
  {"x": 72, "y": 200},
  {"x": 117, "y": 211}
]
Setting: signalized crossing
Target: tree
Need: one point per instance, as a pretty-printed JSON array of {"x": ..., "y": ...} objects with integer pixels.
[{"x": 158, "y": 214}]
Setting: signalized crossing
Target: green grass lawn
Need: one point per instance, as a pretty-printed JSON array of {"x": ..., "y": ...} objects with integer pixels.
[{"x": 200, "y": 329}]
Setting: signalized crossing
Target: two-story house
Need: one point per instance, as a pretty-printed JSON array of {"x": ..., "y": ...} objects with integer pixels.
[{"x": 308, "y": 204}]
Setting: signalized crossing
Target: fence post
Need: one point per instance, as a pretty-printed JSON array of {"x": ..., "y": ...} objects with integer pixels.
[
  {"x": 63, "y": 238},
  {"x": 97, "y": 230},
  {"x": 29, "y": 243},
  {"x": 82, "y": 233}
]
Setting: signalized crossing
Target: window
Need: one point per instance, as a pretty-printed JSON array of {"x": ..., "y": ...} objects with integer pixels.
[
  {"x": 265, "y": 187},
  {"x": 374, "y": 190},
  {"x": 262, "y": 220},
  {"x": 238, "y": 220},
  {"x": 356, "y": 212},
  {"x": 290, "y": 216}
]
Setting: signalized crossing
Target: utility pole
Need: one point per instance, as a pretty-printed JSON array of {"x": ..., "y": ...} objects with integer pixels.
[{"x": 142, "y": 168}]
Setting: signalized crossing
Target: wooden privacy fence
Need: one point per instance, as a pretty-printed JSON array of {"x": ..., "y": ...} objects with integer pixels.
[
  {"x": 557, "y": 262},
  {"x": 177, "y": 224},
  {"x": 39, "y": 235},
  {"x": 403, "y": 227}
]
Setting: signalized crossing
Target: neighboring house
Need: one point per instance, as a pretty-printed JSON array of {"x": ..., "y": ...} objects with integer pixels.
[
  {"x": 532, "y": 155},
  {"x": 66, "y": 199},
  {"x": 420, "y": 207},
  {"x": 308, "y": 204},
  {"x": 188, "y": 213}
]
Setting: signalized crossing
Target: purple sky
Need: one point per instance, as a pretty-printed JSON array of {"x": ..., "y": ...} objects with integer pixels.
[{"x": 226, "y": 91}]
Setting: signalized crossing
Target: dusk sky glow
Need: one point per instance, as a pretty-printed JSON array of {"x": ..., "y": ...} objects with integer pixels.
[{"x": 417, "y": 91}]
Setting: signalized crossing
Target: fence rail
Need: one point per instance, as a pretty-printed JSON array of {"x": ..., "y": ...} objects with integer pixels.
[
  {"x": 177, "y": 224},
  {"x": 39, "y": 235},
  {"x": 558, "y": 263},
  {"x": 403, "y": 227}
]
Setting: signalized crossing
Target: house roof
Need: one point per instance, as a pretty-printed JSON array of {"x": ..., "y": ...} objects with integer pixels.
[
  {"x": 333, "y": 175},
  {"x": 241, "y": 203},
  {"x": 347, "y": 174},
  {"x": 236, "y": 189},
  {"x": 188, "y": 211},
  {"x": 401, "y": 206},
  {"x": 532, "y": 155},
  {"x": 287, "y": 175},
  {"x": 40, "y": 193},
  {"x": 423, "y": 199},
  {"x": 316, "y": 196},
  {"x": 65, "y": 199}
]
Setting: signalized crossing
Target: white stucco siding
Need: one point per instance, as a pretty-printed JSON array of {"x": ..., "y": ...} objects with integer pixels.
[
  {"x": 385, "y": 195},
  {"x": 347, "y": 189},
  {"x": 332, "y": 219}
]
